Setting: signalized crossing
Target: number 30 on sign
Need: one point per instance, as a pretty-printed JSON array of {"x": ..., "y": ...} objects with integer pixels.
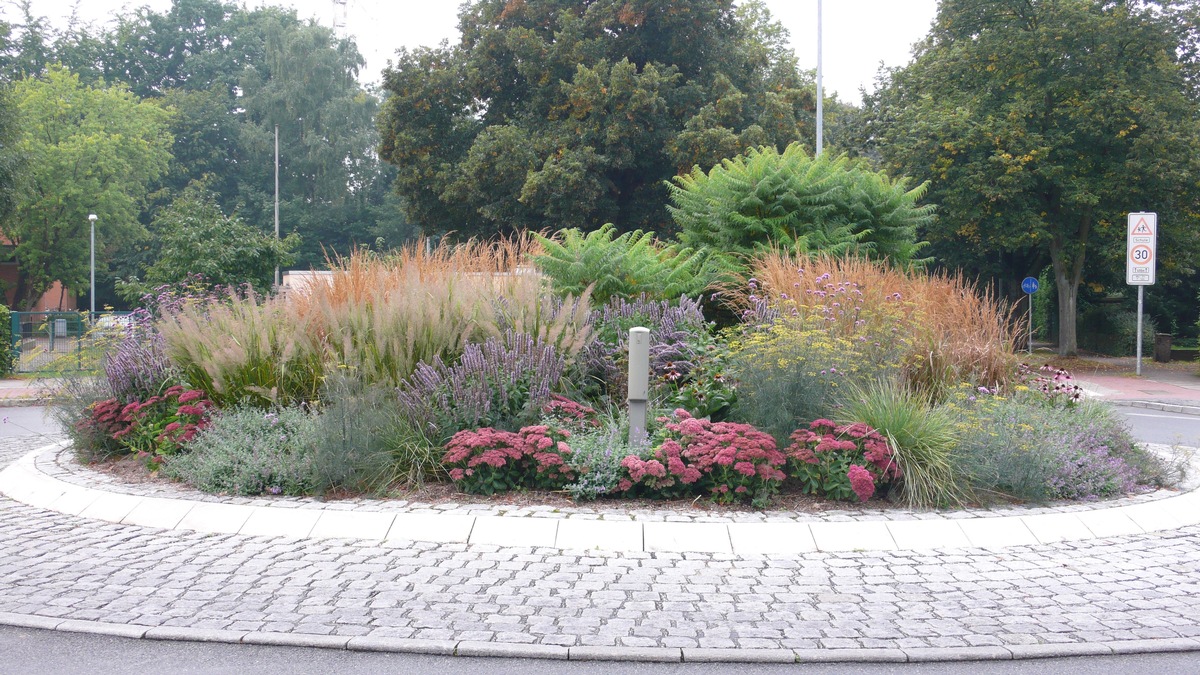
[{"x": 1141, "y": 249}]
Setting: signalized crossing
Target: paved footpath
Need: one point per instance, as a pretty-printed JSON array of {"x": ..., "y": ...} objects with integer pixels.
[{"x": 1131, "y": 593}]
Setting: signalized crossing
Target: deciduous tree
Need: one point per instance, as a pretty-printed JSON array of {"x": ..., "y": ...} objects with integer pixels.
[
  {"x": 555, "y": 113},
  {"x": 88, "y": 150},
  {"x": 1041, "y": 123}
]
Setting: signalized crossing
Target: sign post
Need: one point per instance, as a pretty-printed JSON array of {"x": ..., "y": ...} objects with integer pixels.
[
  {"x": 1141, "y": 258},
  {"x": 1030, "y": 286}
]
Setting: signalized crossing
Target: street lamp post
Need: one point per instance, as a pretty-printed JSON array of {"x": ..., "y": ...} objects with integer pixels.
[
  {"x": 92, "y": 285},
  {"x": 820, "y": 89}
]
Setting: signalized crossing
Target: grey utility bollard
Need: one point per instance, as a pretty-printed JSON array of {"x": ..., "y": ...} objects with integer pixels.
[{"x": 639, "y": 382}]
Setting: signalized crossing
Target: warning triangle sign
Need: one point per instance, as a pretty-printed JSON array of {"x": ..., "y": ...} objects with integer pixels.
[{"x": 1142, "y": 228}]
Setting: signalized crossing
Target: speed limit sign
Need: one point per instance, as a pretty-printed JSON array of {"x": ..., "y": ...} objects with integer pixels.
[{"x": 1141, "y": 249}]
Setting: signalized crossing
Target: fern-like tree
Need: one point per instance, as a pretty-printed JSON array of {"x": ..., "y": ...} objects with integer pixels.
[
  {"x": 766, "y": 198},
  {"x": 629, "y": 265}
]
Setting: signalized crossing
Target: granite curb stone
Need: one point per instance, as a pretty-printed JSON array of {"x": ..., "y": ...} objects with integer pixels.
[
  {"x": 923, "y": 654},
  {"x": 297, "y": 640},
  {"x": 471, "y": 648},
  {"x": 102, "y": 628},
  {"x": 511, "y": 650},
  {"x": 653, "y": 654},
  {"x": 1050, "y": 651},
  {"x": 713, "y": 655},
  {"x": 1158, "y": 405},
  {"x": 402, "y": 645},
  {"x": 851, "y": 656},
  {"x": 181, "y": 633}
]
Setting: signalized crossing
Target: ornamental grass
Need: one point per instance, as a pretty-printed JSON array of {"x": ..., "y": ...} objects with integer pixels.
[
  {"x": 374, "y": 318},
  {"x": 955, "y": 332}
]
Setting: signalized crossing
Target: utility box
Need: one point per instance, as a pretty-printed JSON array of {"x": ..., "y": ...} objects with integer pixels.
[{"x": 1162, "y": 347}]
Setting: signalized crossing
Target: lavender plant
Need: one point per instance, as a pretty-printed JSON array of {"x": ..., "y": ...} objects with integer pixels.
[
  {"x": 138, "y": 366},
  {"x": 1021, "y": 448},
  {"x": 502, "y": 383}
]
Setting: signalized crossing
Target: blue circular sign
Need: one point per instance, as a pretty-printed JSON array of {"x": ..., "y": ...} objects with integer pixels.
[{"x": 1030, "y": 285}]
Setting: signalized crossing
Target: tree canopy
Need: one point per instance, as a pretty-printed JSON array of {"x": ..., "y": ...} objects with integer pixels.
[
  {"x": 1040, "y": 125},
  {"x": 87, "y": 150},
  {"x": 195, "y": 238},
  {"x": 552, "y": 113},
  {"x": 231, "y": 74}
]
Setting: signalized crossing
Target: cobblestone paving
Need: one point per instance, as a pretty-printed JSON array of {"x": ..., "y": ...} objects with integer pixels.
[
  {"x": 1128, "y": 588},
  {"x": 1102, "y": 590}
]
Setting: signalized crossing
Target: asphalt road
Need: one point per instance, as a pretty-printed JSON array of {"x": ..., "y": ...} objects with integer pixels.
[
  {"x": 1154, "y": 426},
  {"x": 36, "y": 652},
  {"x": 24, "y": 421}
]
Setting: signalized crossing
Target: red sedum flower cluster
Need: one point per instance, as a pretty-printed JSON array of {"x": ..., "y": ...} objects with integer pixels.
[
  {"x": 729, "y": 461},
  {"x": 841, "y": 461},
  {"x": 154, "y": 428},
  {"x": 486, "y": 461}
]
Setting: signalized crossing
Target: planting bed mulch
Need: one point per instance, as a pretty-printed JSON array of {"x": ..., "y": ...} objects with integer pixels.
[{"x": 790, "y": 499}]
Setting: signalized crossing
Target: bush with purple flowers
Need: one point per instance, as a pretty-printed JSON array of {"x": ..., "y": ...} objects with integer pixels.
[
  {"x": 1021, "y": 448},
  {"x": 687, "y": 366},
  {"x": 502, "y": 383}
]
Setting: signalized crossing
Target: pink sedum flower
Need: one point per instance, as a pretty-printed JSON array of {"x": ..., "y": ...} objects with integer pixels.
[{"x": 861, "y": 481}]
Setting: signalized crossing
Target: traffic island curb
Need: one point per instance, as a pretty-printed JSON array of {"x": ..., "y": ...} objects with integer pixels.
[
  {"x": 470, "y": 648},
  {"x": 1159, "y": 405},
  {"x": 23, "y": 402}
]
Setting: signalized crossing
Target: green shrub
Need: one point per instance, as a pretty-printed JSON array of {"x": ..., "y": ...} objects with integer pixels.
[
  {"x": 596, "y": 456},
  {"x": 687, "y": 361},
  {"x": 796, "y": 370},
  {"x": 629, "y": 265},
  {"x": 71, "y": 405},
  {"x": 789, "y": 200},
  {"x": 7, "y": 354},
  {"x": 1023, "y": 448},
  {"x": 246, "y": 451},
  {"x": 1114, "y": 333},
  {"x": 362, "y": 443},
  {"x": 922, "y": 437}
]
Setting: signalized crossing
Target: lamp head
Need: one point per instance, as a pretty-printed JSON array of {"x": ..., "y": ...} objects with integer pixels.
[{"x": 92, "y": 217}]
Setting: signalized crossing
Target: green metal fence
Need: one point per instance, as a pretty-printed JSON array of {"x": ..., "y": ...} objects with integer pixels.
[{"x": 55, "y": 340}]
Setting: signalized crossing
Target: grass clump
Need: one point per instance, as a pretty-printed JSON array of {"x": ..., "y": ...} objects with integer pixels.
[
  {"x": 951, "y": 331},
  {"x": 363, "y": 443},
  {"x": 923, "y": 441}
]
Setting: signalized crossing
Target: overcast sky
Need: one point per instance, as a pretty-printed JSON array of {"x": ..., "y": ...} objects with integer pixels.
[{"x": 858, "y": 34}]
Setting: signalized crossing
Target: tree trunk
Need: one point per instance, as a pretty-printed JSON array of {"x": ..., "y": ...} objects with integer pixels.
[
  {"x": 20, "y": 299},
  {"x": 1068, "y": 272}
]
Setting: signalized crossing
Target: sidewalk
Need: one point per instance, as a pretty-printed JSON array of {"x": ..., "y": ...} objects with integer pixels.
[
  {"x": 22, "y": 392},
  {"x": 1172, "y": 388}
]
